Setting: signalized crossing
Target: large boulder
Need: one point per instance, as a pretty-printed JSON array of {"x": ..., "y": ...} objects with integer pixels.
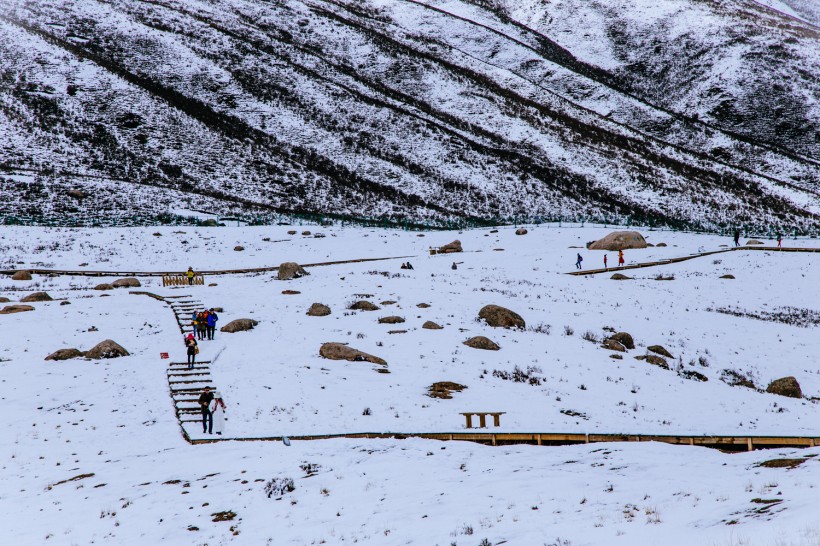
[
  {"x": 659, "y": 349},
  {"x": 291, "y": 270},
  {"x": 624, "y": 339},
  {"x": 363, "y": 305},
  {"x": 106, "y": 349},
  {"x": 36, "y": 296},
  {"x": 481, "y": 342},
  {"x": 455, "y": 246},
  {"x": 620, "y": 277},
  {"x": 104, "y": 286},
  {"x": 9, "y": 309},
  {"x": 657, "y": 361},
  {"x": 444, "y": 389},
  {"x": 501, "y": 317},
  {"x": 21, "y": 276},
  {"x": 4, "y": 300},
  {"x": 340, "y": 351},
  {"x": 391, "y": 320},
  {"x": 613, "y": 345},
  {"x": 521, "y": 231},
  {"x": 785, "y": 386},
  {"x": 126, "y": 282},
  {"x": 754, "y": 242},
  {"x": 619, "y": 240},
  {"x": 430, "y": 325},
  {"x": 65, "y": 354},
  {"x": 318, "y": 310},
  {"x": 239, "y": 325}
]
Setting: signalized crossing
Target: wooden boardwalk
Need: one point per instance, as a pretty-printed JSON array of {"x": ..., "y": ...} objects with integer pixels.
[
  {"x": 80, "y": 273},
  {"x": 724, "y": 443},
  {"x": 690, "y": 257}
]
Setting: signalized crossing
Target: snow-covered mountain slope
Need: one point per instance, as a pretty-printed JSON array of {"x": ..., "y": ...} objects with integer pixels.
[
  {"x": 93, "y": 453},
  {"x": 418, "y": 110}
]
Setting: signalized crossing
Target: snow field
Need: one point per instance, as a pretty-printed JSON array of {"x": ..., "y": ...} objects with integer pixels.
[{"x": 275, "y": 383}]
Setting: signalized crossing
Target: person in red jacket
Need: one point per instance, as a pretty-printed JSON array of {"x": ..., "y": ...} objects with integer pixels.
[{"x": 620, "y": 258}]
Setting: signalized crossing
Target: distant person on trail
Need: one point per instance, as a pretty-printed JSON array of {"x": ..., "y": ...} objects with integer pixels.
[
  {"x": 205, "y": 400},
  {"x": 218, "y": 413},
  {"x": 190, "y": 274},
  {"x": 212, "y": 318},
  {"x": 779, "y": 241},
  {"x": 409, "y": 265},
  {"x": 604, "y": 261},
  {"x": 621, "y": 258},
  {"x": 578, "y": 261},
  {"x": 193, "y": 349},
  {"x": 195, "y": 322},
  {"x": 454, "y": 266},
  {"x": 737, "y": 238}
]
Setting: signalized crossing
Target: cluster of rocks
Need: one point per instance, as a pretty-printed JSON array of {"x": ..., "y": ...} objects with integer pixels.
[{"x": 105, "y": 349}]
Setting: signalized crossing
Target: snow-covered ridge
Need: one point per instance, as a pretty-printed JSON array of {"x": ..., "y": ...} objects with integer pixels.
[{"x": 416, "y": 110}]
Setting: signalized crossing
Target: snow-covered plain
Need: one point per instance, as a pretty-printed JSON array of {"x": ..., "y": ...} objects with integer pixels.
[{"x": 114, "y": 418}]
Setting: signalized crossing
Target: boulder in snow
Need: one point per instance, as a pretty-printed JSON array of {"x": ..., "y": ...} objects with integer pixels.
[
  {"x": 36, "y": 296},
  {"x": 65, "y": 354},
  {"x": 481, "y": 342},
  {"x": 106, "y": 349},
  {"x": 785, "y": 386},
  {"x": 290, "y": 270},
  {"x": 239, "y": 325},
  {"x": 501, "y": 317},
  {"x": 449, "y": 248},
  {"x": 340, "y": 351},
  {"x": 126, "y": 282},
  {"x": 619, "y": 240},
  {"x": 9, "y": 309},
  {"x": 21, "y": 276},
  {"x": 318, "y": 310}
]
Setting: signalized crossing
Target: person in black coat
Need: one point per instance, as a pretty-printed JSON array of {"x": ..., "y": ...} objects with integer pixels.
[{"x": 205, "y": 400}]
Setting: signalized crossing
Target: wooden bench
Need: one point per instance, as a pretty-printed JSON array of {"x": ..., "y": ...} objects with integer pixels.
[{"x": 482, "y": 418}]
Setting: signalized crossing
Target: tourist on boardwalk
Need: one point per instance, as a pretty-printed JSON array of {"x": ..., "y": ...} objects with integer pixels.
[
  {"x": 190, "y": 274},
  {"x": 195, "y": 323},
  {"x": 604, "y": 261},
  {"x": 621, "y": 258},
  {"x": 193, "y": 349},
  {"x": 202, "y": 320},
  {"x": 205, "y": 400},
  {"x": 212, "y": 318},
  {"x": 779, "y": 241},
  {"x": 737, "y": 238},
  {"x": 218, "y": 413},
  {"x": 578, "y": 261}
]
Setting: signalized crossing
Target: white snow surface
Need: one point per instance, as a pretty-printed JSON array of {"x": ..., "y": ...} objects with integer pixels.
[{"x": 114, "y": 418}]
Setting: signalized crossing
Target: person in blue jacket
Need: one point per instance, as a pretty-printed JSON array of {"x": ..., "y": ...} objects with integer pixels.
[
  {"x": 212, "y": 318},
  {"x": 195, "y": 323}
]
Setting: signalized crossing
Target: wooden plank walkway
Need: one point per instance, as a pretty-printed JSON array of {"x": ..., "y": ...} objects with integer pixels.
[
  {"x": 723, "y": 443},
  {"x": 41, "y": 271},
  {"x": 690, "y": 257}
]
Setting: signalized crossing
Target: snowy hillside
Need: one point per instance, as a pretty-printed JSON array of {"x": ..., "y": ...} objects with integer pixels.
[
  {"x": 94, "y": 451},
  {"x": 694, "y": 113}
]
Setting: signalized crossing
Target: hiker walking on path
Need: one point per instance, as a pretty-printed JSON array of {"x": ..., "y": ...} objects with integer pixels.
[
  {"x": 195, "y": 323},
  {"x": 193, "y": 349},
  {"x": 212, "y": 318},
  {"x": 737, "y": 238},
  {"x": 621, "y": 258},
  {"x": 779, "y": 241},
  {"x": 202, "y": 321},
  {"x": 578, "y": 261},
  {"x": 205, "y": 400},
  {"x": 218, "y": 413},
  {"x": 604, "y": 261},
  {"x": 190, "y": 274}
]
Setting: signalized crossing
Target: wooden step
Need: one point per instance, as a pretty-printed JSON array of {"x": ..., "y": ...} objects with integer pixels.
[
  {"x": 190, "y": 374},
  {"x": 185, "y": 363},
  {"x": 187, "y": 390},
  {"x": 190, "y": 381}
]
